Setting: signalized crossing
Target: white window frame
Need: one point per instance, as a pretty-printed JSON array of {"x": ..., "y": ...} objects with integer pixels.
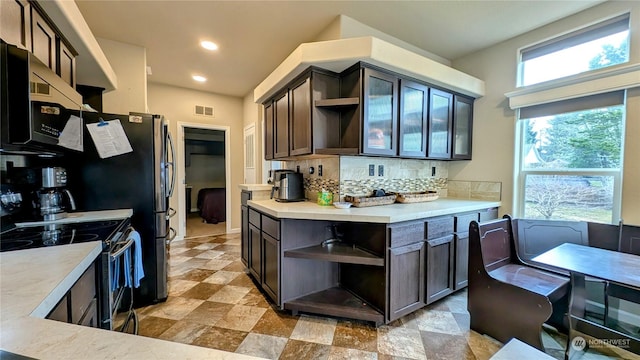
[
  {"x": 585, "y": 34},
  {"x": 521, "y": 173}
]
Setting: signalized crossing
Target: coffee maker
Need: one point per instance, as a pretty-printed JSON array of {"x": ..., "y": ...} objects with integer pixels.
[
  {"x": 53, "y": 197},
  {"x": 288, "y": 186}
]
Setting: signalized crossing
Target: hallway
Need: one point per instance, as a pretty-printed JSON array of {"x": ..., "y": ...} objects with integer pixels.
[{"x": 196, "y": 227}]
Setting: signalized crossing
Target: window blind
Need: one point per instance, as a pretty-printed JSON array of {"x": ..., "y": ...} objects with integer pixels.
[
  {"x": 606, "y": 28},
  {"x": 572, "y": 105}
]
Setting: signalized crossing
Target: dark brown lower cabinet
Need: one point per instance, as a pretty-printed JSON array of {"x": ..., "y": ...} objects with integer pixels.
[
  {"x": 462, "y": 260},
  {"x": 406, "y": 279},
  {"x": 61, "y": 311},
  {"x": 79, "y": 305},
  {"x": 255, "y": 247},
  {"x": 440, "y": 256},
  {"x": 90, "y": 318},
  {"x": 271, "y": 266},
  {"x": 244, "y": 239},
  {"x": 377, "y": 272}
]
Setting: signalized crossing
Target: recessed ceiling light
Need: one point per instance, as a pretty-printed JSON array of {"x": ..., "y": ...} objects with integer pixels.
[
  {"x": 199, "y": 78},
  {"x": 209, "y": 45}
]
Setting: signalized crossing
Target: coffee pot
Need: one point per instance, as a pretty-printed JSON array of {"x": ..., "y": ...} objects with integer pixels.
[{"x": 53, "y": 196}]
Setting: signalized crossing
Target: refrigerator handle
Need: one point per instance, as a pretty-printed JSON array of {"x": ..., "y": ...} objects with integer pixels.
[
  {"x": 172, "y": 164},
  {"x": 171, "y": 235},
  {"x": 171, "y": 212}
]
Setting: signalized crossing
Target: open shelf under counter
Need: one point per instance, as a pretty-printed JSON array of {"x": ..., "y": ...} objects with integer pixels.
[
  {"x": 340, "y": 253},
  {"x": 335, "y": 301}
]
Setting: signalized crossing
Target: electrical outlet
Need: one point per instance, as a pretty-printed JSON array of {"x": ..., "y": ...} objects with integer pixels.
[
  {"x": 372, "y": 170},
  {"x": 433, "y": 171},
  {"x": 319, "y": 170},
  {"x": 380, "y": 170}
]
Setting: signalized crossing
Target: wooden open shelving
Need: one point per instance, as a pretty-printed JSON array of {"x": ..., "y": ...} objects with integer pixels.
[
  {"x": 336, "y": 301},
  {"x": 339, "y": 253},
  {"x": 337, "y": 102}
]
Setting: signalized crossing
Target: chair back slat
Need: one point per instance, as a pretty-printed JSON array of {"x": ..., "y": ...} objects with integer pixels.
[{"x": 496, "y": 243}]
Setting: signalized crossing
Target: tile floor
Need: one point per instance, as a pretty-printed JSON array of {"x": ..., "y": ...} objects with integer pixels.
[{"x": 213, "y": 303}]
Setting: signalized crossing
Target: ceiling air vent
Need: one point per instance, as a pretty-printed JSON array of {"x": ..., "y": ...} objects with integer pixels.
[{"x": 204, "y": 110}]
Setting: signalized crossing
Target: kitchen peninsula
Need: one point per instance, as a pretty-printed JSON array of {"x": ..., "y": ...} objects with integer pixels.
[
  {"x": 30, "y": 290},
  {"x": 374, "y": 263}
]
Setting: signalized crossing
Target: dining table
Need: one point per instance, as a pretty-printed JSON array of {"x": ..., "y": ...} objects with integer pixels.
[{"x": 612, "y": 267}]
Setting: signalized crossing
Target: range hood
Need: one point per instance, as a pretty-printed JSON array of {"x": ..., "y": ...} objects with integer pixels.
[{"x": 338, "y": 55}]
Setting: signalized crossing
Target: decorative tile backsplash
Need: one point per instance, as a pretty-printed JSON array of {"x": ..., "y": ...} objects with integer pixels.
[
  {"x": 476, "y": 190},
  {"x": 349, "y": 175}
]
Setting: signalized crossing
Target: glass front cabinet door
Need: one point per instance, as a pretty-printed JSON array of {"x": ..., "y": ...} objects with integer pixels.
[
  {"x": 414, "y": 98},
  {"x": 380, "y": 113},
  {"x": 440, "y": 124},
  {"x": 462, "y": 127}
]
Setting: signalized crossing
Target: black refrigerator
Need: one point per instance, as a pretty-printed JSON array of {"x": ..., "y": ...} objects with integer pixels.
[{"x": 142, "y": 179}]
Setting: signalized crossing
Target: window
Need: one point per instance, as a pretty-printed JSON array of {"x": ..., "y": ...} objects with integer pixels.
[
  {"x": 594, "y": 47},
  {"x": 570, "y": 159}
]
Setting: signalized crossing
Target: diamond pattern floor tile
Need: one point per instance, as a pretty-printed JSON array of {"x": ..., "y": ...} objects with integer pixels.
[{"x": 214, "y": 303}]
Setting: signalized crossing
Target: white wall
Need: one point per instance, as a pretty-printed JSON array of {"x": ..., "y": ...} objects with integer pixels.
[
  {"x": 252, "y": 113},
  {"x": 494, "y": 121},
  {"x": 129, "y": 62},
  {"x": 344, "y": 27},
  {"x": 177, "y": 105}
]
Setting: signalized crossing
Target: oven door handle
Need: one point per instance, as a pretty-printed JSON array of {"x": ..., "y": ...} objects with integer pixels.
[{"x": 125, "y": 245}]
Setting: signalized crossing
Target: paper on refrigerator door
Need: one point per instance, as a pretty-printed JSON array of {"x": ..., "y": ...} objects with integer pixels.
[
  {"x": 109, "y": 138},
  {"x": 71, "y": 135}
]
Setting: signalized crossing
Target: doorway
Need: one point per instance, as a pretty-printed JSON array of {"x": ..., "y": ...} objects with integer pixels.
[{"x": 204, "y": 190}]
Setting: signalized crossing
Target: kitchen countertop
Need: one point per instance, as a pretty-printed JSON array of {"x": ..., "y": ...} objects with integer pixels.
[
  {"x": 392, "y": 213},
  {"x": 30, "y": 290},
  {"x": 86, "y": 216},
  {"x": 255, "y": 187}
]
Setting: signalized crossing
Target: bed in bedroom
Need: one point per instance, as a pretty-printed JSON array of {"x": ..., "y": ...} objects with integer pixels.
[{"x": 212, "y": 205}]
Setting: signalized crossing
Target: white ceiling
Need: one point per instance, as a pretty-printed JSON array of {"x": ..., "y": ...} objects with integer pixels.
[{"x": 255, "y": 36}]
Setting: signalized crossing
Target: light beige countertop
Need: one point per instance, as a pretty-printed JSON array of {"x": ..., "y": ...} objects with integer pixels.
[
  {"x": 32, "y": 281},
  {"x": 86, "y": 216},
  {"x": 255, "y": 187},
  {"x": 392, "y": 213}
]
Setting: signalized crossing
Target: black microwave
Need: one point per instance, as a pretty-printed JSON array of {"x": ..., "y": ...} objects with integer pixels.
[{"x": 35, "y": 104}]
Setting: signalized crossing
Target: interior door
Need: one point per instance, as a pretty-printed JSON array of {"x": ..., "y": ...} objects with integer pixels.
[{"x": 250, "y": 154}]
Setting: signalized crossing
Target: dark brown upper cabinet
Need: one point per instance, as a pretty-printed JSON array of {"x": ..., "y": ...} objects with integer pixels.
[
  {"x": 15, "y": 23},
  {"x": 367, "y": 110},
  {"x": 65, "y": 66},
  {"x": 462, "y": 127},
  {"x": 294, "y": 124},
  {"x": 300, "y": 121},
  {"x": 24, "y": 24},
  {"x": 268, "y": 131},
  {"x": 440, "y": 124},
  {"x": 43, "y": 44},
  {"x": 380, "y": 113},
  {"x": 281, "y": 126},
  {"x": 414, "y": 99}
]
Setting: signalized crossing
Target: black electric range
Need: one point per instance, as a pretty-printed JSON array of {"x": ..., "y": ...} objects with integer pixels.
[{"x": 20, "y": 238}]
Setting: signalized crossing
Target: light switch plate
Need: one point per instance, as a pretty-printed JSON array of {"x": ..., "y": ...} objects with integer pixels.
[
  {"x": 380, "y": 170},
  {"x": 372, "y": 170}
]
